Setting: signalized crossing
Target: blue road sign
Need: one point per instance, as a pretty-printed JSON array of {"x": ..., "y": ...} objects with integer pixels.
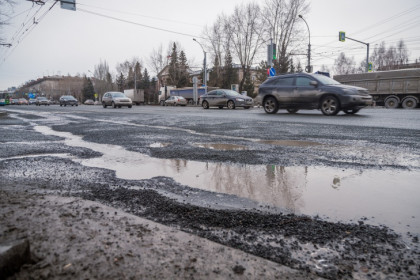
[{"x": 272, "y": 72}]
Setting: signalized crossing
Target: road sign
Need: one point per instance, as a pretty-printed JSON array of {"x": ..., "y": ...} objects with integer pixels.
[
  {"x": 68, "y": 4},
  {"x": 272, "y": 72},
  {"x": 341, "y": 36}
]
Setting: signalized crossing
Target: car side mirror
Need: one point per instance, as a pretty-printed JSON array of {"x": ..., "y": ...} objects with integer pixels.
[{"x": 314, "y": 83}]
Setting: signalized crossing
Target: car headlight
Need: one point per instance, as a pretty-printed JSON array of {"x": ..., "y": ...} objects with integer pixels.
[{"x": 240, "y": 99}]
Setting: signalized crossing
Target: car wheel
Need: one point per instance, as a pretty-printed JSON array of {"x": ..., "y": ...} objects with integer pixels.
[
  {"x": 119, "y": 106},
  {"x": 65, "y": 105},
  {"x": 351, "y": 111},
  {"x": 205, "y": 105},
  {"x": 220, "y": 107},
  {"x": 61, "y": 105},
  {"x": 231, "y": 104},
  {"x": 247, "y": 107},
  {"x": 113, "y": 105},
  {"x": 129, "y": 106},
  {"x": 292, "y": 110},
  {"x": 77, "y": 105},
  {"x": 271, "y": 106},
  {"x": 104, "y": 105},
  {"x": 330, "y": 105}
]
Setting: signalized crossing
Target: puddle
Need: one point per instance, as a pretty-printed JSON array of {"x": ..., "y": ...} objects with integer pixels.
[
  {"x": 221, "y": 146},
  {"x": 159, "y": 145},
  {"x": 293, "y": 143},
  {"x": 390, "y": 196}
]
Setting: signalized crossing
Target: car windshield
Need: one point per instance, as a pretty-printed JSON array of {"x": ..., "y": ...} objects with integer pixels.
[
  {"x": 68, "y": 97},
  {"x": 326, "y": 80},
  {"x": 118, "y": 94},
  {"x": 231, "y": 93}
]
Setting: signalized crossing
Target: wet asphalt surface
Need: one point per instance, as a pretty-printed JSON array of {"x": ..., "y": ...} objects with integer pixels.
[{"x": 385, "y": 140}]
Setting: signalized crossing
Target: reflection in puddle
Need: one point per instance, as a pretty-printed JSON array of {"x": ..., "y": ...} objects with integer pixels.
[
  {"x": 221, "y": 146},
  {"x": 159, "y": 145},
  {"x": 336, "y": 193},
  {"x": 293, "y": 143}
]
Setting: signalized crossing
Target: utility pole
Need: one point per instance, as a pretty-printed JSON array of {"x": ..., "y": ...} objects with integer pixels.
[
  {"x": 205, "y": 67},
  {"x": 309, "y": 68}
]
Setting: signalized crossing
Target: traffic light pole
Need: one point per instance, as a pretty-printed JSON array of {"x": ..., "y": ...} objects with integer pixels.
[{"x": 367, "y": 56}]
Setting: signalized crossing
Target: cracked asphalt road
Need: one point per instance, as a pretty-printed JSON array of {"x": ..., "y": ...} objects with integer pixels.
[{"x": 80, "y": 153}]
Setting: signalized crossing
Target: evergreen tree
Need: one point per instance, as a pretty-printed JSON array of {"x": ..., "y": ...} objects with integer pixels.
[
  {"x": 230, "y": 75},
  {"x": 174, "y": 67},
  {"x": 292, "y": 66},
  {"x": 120, "y": 82},
  {"x": 145, "y": 84},
  {"x": 262, "y": 71},
  {"x": 153, "y": 94},
  {"x": 249, "y": 85},
  {"x": 138, "y": 75},
  {"x": 130, "y": 78},
  {"x": 215, "y": 75},
  {"x": 88, "y": 92},
  {"x": 183, "y": 78},
  {"x": 299, "y": 67}
]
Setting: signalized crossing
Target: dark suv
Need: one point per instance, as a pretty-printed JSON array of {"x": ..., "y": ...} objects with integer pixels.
[
  {"x": 68, "y": 100},
  {"x": 311, "y": 91}
]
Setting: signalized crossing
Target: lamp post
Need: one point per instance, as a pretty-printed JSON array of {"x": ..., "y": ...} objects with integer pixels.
[
  {"x": 205, "y": 67},
  {"x": 309, "y": 70}
]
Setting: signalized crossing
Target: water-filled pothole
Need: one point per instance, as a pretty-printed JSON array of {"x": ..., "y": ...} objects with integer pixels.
[
  {"x": 343, "y": 194},
  {"x": 221, "y": 146},
  {"x": 293, "y": 143}
]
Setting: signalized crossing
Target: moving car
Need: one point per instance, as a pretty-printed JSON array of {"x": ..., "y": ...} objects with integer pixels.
[
  {"x": 225, "y": 98},
  {"x": 23, "y": 101},
  {"x": 175, "y": 101},
  {"x": 42, "y": 101},
  {"x": 116, "y": 99},
  {"x": 68, "y": 100},
  {"x": 89, "y": 102},
  {"x": 311, "y": 91}
]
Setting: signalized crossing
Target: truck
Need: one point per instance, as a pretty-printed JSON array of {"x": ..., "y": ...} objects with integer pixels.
[
  {"x": 392, "y": 89},
  {"x": 187, "y": 93},
  {"x": 137, "y": 96}
]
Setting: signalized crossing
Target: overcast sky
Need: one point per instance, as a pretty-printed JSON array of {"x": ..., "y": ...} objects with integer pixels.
[{"x": 70, "y": 42}]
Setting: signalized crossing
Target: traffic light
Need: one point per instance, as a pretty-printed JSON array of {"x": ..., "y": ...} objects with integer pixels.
[
  {"x": 341, "y": 36},
  {"x": 274, "y": 52}
]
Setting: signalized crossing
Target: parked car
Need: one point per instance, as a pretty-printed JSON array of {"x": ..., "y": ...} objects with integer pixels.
[
  {"x": 14, "y": 101},
  {"x": 2, "y": 102},
  {"x": 68, "y": 100},
  {"x": 32, "y": 101},
  {"x": 116, "y": 99},
  {"x": 89, "y": 102},
  {"x": 175, "y": 101},
  {"x": 23, "y": 101},
  {"x": 225, "y": 98},
  {"x": 311, "y": 91},
  {"x": 42, "y": 101}
]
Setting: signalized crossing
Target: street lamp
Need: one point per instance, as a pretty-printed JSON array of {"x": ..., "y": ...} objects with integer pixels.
[
  {"x": 205, "y": 67},
  {"x": 309, "y": 70}
]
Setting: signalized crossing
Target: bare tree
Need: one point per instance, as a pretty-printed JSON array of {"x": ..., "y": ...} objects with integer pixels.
[
  {"x": 157, "y": 60},
  {"x": 384, "y": 58},
  {"x": 344, "y": 65},
  {"x": 103, "y": 80},
  {"x": 243, "y": 29},
  {"x": 280, "y": 18}
]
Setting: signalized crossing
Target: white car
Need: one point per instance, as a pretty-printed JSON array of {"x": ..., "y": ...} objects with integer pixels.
[{"x": 116, "y": 99}]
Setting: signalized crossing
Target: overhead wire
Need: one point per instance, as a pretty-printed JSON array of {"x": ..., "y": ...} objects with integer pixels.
[
  {"x": 140, "y": 24},
  {"x": 27, "y": 32}
]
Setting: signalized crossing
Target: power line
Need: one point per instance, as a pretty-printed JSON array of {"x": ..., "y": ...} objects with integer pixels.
[{"x": 139, "y": 24}]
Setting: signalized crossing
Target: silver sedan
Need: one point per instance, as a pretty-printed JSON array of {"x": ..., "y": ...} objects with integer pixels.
[{"x": 225, "y": 98}]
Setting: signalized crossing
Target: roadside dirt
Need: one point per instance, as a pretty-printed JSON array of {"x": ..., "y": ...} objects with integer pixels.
[{"x": 71, "y": 238}]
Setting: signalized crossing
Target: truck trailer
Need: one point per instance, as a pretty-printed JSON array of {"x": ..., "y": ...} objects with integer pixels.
[
  {"x": 137, "y": 96},
  {"x": 393, "y": 89}
]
